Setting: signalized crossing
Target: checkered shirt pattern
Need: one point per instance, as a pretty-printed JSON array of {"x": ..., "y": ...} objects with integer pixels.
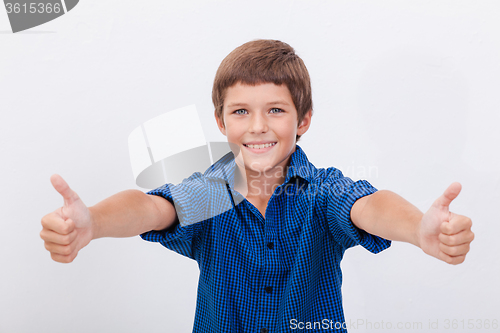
[{"x": 267, "y": 274}]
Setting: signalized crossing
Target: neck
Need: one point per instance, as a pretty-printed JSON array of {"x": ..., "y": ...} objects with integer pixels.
[{"x": 259, "y": 184}]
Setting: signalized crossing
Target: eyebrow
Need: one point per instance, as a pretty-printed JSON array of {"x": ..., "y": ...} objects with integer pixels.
[{"x": 279, "y": 102}]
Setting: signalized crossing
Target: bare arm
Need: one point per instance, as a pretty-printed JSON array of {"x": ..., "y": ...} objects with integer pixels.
[
  {"x": 129, "y": 213},
  {"x": 439, "y": 232},
  {"x": 388, "y": 215}
]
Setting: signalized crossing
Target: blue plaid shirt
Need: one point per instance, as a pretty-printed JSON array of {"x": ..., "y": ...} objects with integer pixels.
[{"x": 280, "y": 273}]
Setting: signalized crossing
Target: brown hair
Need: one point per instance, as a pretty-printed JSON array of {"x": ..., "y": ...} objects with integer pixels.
[{"x": 264, "y": 61}]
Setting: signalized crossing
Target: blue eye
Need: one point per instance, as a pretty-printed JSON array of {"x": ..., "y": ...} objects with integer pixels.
[
  {"x": 277, "y": 110},
  {"x": 240, "y": 111}
]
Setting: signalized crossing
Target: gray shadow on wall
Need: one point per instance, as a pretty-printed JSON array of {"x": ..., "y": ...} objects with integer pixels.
[{"x": 180, "y": 166}]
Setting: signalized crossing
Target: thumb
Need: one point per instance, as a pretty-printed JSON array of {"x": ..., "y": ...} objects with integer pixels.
[
  {"x": 63, "y": 188},
  {"x": 449, "y": 195}
]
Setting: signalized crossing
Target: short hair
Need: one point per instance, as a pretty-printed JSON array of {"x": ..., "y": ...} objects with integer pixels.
[{"x": 264, "y": 61}]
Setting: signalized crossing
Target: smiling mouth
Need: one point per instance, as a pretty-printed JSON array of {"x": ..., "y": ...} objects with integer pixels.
[{"x": 262, "y": 146}]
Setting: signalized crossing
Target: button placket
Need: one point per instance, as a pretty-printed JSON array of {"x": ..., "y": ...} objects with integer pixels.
[{"x": 268, "y": 291}]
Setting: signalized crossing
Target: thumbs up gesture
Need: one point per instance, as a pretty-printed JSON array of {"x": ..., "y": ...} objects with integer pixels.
[
  {"x": 443, "y": 234},
  {"x": 69, "y": 228}
]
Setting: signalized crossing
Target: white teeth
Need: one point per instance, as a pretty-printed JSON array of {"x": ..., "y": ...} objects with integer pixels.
[{"x": 261, "y": 146}]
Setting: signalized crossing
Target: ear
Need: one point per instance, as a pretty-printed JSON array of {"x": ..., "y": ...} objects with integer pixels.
[
  {"x": 220, "y": 124},
  {"x": 305, "y": 123}
]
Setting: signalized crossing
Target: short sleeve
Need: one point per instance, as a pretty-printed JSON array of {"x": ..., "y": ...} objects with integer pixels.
[
  {"x": 343, "y": 193},
  {"x": 177, "y": 238},
  {"x": 196, "y": 201}
]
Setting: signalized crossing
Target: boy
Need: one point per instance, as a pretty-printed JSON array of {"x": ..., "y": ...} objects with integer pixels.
[{"x": 266, "y": 227}]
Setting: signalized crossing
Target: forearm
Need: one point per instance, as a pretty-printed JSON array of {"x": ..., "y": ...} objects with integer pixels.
[
  {"x": 130, "y": 213},
  {"x": 388, "y": 215}
]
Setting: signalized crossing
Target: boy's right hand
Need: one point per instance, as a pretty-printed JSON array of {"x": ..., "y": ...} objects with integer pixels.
[{"x": 69, "y": 228}]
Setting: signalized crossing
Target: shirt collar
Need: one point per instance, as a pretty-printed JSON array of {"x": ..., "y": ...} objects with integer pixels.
[
  {"x": 223, "y": 169},
  {"x": 299, "y": 166}
]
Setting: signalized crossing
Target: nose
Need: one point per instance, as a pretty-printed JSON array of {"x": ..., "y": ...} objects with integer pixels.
[{"x": 258, "y": 123}]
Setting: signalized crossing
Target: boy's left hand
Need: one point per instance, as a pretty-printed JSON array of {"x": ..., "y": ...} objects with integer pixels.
[{"x": 443, "y": 234}]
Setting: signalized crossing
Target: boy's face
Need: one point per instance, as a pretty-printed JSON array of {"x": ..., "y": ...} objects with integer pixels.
[{"x": 262, "y": 121}]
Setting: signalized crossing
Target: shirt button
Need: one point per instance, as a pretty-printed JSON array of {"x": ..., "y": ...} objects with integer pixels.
[
  {"x": 268, "y": 289},
  {"x": 270, "y": 245},
  {"x": 264, "y": 330}
]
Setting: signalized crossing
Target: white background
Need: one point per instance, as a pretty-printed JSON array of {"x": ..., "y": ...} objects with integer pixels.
[{"x": 406, "y": 95}]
